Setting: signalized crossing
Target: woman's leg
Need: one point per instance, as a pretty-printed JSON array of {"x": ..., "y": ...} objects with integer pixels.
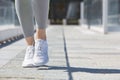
[
  {"x": 25, "y": 15},
  {"x": 24, "y": 12},
  {"x": 41, "y": 9}
]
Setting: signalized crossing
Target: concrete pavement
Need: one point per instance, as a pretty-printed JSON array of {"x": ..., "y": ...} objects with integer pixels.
[{"x": 75, "y": 54}]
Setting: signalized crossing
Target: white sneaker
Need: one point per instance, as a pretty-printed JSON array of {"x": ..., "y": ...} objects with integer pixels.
[
  {"x": 41, "y": 53},
  {"x": 28, "y": 59}
]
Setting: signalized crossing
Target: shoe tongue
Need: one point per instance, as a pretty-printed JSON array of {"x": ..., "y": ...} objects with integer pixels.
[
  {"x": 39, "y": 40},
  {"x": 30, "y": 47}
]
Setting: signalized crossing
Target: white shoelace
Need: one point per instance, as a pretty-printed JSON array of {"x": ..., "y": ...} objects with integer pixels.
[{"x": 30, "y": 53}]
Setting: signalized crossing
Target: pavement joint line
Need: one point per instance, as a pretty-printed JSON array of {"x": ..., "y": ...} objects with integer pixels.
[{"x": 66, "y": 56}]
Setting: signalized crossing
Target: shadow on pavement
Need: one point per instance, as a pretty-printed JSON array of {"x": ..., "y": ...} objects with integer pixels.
[{"x": 87, "y": 70}]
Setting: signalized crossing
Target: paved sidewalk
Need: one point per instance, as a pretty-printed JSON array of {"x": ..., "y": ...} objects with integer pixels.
[{"x": 75, "y": 54}]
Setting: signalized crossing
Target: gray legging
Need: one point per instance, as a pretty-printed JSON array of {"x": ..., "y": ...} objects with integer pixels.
[{"x": 27, "y": 10}]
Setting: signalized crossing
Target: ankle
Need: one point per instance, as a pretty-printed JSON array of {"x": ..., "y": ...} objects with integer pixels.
[
  {"x": 41, "y": 39},
  {"x": 41, "y": 34}
]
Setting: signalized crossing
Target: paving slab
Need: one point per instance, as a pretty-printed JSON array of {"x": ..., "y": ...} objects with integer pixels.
[{"x": 75, "y": 54}]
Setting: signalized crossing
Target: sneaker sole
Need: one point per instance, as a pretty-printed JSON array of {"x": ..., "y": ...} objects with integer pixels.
[{"x": 40, "y": 64}]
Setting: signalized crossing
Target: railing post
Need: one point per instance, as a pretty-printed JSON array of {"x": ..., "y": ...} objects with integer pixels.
[
  {"x": 105, "y": 16},
  {"x": 82, "y": 13},
  {"x": 64, "y": 21}
]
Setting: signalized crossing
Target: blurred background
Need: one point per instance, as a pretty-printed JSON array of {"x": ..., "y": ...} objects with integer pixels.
[{"x": 59, "y": 10}]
